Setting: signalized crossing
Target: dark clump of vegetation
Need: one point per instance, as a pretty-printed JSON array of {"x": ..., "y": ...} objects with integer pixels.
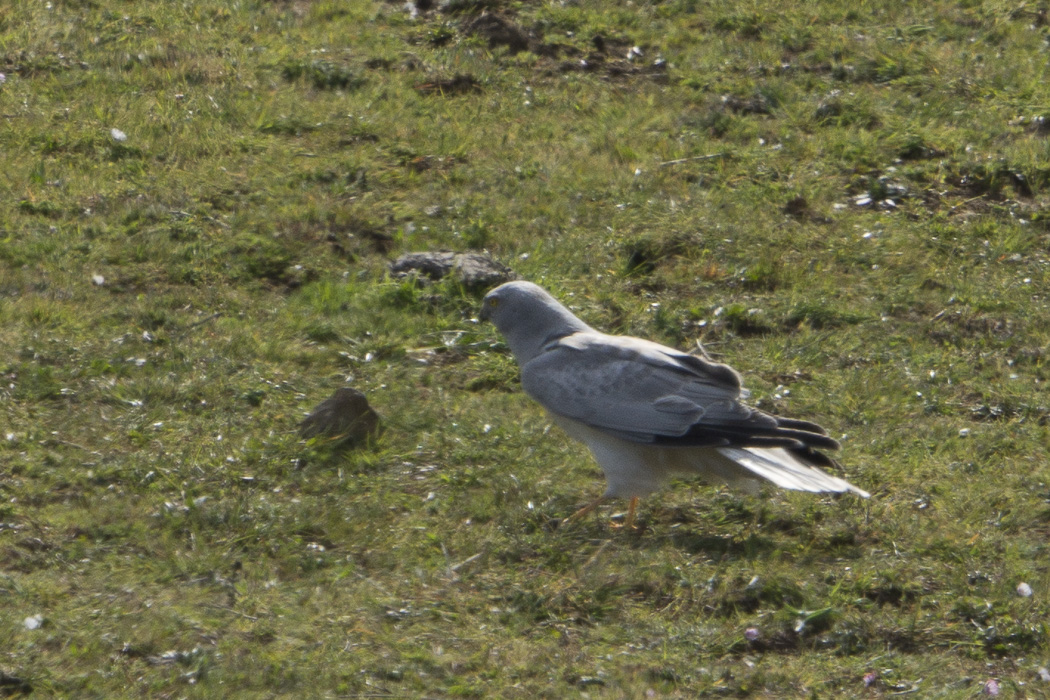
[{"x": 323, "y": 75}]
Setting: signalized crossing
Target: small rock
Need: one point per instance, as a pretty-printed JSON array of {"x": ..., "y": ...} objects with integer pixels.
[
  {"x": 585, "y": 681},
  {"x": 456, "y": 85},
  {"x": 891, "y": 189},
  {"x": 1039, "y": 125},
  {"x": 13, "y": 685},
  {"x": 498, "y": 31},
  {"x": 434, "y": 265},
  {"x": 344, "y": 419},
  {"x": 797, "y": 207},
  {"x": 480, "y": 272},
  {"x": 828, "y": 109},
  {"x": 755, "y": 104},
  {"x": 475, "y": 271},
  {"x": 1024, "y": 590}
]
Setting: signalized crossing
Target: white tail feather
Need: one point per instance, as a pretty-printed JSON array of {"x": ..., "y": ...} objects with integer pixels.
[{"x": 779, "y": 466}]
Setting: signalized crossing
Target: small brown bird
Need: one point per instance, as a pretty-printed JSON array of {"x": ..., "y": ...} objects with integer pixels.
[{"x": 343, "y": 419}]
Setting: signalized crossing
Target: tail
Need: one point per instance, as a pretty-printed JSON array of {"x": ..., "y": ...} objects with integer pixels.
[{"x": 790, "y": 469}]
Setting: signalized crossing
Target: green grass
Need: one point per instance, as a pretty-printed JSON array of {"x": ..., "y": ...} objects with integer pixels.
[{"x": 176, "y": 539}]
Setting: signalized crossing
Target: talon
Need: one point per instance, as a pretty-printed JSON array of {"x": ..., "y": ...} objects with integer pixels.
[
  {"x": 628, "y": 521},
  {"x": 583, "y": 511}
]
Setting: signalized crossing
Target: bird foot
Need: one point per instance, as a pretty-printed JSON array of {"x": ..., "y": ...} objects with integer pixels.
[
  {"x": 583, "y": 511},
  {"x": 628, "y": 522}
]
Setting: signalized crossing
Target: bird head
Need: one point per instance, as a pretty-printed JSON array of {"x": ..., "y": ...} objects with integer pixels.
[{"x": 528, "y": 317}]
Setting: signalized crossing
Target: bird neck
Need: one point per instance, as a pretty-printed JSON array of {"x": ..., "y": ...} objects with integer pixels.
[{"x": 527, "y": 339}]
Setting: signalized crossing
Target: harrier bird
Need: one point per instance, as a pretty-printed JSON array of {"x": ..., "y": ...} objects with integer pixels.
[{"x": 649, "y": 412}]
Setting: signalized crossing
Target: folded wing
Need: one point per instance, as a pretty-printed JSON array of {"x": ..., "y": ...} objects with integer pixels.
[{"x": 644, "y": 392}]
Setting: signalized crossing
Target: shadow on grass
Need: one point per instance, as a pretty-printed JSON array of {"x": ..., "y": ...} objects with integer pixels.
[
  {"x": 656, "y": 538},
  {"x": 752, "y": 546}
]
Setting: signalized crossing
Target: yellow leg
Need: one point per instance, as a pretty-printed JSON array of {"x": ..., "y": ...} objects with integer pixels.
[
  {"x": 632, "y": 508},
  {"x": 585, "y": 510}
]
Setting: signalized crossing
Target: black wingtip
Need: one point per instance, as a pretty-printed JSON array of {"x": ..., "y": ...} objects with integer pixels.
[
  {"x": 813, "y": 458},
  {"x": 788, "y": 433},
  {"x": 803, "y": 425}
]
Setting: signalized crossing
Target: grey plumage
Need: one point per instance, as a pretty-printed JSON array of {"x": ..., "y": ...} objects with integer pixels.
[{"x": 647, "y": 411}]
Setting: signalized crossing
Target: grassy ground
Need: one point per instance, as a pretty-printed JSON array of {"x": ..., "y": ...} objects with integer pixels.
[{"x": 846, "y": 201}]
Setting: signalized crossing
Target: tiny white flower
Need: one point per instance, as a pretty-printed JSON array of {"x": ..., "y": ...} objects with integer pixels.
[{"x": 118, "y": 135}]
